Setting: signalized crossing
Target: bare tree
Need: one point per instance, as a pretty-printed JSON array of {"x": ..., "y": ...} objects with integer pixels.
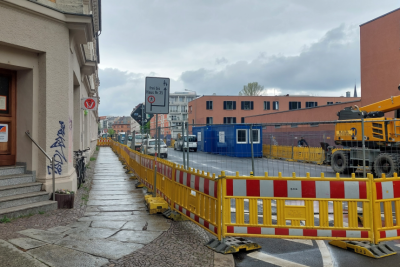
[{"x": 252, "y": 89}]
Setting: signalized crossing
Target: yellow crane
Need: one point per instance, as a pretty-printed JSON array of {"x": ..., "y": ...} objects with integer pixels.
[{"x": 381, "y": 137}]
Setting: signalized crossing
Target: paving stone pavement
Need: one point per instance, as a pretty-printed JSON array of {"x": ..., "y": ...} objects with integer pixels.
[{"x": 110, "y": 231}]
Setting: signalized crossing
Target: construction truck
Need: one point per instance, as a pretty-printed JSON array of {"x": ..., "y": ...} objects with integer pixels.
[{"x": 381, "y": 138}]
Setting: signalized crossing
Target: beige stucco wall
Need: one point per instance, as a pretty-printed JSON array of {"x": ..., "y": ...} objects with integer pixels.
[{"x": 42, "y": 50}]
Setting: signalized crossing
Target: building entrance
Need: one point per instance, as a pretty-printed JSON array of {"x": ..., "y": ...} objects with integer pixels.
[{"x": 7, "y": 117}]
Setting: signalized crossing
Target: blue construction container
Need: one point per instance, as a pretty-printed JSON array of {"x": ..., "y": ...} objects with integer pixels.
[{"x": 229, "y": 139}]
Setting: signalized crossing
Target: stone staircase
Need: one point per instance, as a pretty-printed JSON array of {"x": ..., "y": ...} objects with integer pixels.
[{"x": 20, "y": 194}]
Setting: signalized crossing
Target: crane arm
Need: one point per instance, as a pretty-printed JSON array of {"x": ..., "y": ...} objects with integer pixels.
[{"x": 390, "y": 104}]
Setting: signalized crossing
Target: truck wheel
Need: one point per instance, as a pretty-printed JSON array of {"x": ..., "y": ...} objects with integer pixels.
[
  {"x": 385, "y": 164},
  {"x": 339, "y": 162}
]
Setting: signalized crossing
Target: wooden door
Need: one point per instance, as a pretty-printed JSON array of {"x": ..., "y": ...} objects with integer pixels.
[{"x": 8, "y": 110}]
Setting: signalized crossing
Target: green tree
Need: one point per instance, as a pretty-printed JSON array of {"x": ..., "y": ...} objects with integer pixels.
[
  {"x": 252, "y": 89},
  {"x": 111, "y": 132}
]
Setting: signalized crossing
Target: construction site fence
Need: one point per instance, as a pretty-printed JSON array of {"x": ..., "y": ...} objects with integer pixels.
[
  {"x": 295, "y": 153},
  {"x": 274, "y": 207},
  {"x": 103, "y": 141}
]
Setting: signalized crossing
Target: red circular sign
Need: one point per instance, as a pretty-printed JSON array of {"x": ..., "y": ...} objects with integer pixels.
[
  {"x": 151, "y": 99},
  {"x": 90, "y": 103}
]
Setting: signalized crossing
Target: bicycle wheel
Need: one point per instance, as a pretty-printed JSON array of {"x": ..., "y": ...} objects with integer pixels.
[
  {"x": 78, "y": 175},
  {"x": 83, "y": 172}
]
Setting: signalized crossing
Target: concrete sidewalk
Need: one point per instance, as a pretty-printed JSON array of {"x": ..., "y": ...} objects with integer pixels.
[{"x": 116, "y": 230}]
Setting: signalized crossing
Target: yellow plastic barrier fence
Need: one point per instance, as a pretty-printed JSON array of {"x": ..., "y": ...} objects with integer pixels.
[
  {"x": 197, "y": 198},
  {"x": 103, "y": 141},
  {"x": 306, "y": 154},
  {"x": 269, "y": 207},
  {"x": 277, "y": 207},
  {"x": 386, "y": 208}
]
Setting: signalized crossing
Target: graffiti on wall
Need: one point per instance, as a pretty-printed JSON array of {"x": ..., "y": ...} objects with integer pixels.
[{"x": 59, "y": 157}]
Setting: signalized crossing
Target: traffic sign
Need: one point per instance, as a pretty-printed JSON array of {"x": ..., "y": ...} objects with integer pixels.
[
  {"x": 89, "y": 103},
  {"x": 157, "y": 95}
]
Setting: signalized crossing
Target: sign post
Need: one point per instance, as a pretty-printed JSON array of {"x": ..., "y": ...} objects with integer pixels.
[{"x": 156, "y": 102}]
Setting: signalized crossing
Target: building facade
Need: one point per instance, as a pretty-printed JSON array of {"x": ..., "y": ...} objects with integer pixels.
[
  {"x": 48, "y": 63},
  {"x": 178, "y": 110},
  {"x": 216, "y": 109},
  {"x": 122, "y": 125}
]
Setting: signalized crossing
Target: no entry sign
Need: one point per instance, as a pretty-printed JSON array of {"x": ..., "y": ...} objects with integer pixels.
[
  {"x": 89, "y": 103},
  {"x": 157, "y": 95}
]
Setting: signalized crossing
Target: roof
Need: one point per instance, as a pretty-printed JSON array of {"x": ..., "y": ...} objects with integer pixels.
[{"x": 380, "y": 17}]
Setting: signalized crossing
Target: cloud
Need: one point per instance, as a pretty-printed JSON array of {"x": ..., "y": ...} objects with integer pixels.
[
  {"x": 120, "y": 91},
  {"x": 330, "y": 64}
]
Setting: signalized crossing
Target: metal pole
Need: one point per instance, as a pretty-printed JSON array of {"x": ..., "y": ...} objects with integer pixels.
[
  {"x": 133, "y": 140},
  {"x": 155, "y": 160},
  {"x": 252, "y": 149},
  {"x": 270, "y": 147},
  {"x": 183, "y": 144},
  {"x": 54, "y": 177},
  {"x": 187, "y": 145},
  {"x": 363, "y": 146},
  {"x": 141, "y": 130}
]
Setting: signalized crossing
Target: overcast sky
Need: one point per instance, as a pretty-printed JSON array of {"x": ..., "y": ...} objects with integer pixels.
[{"x": 217, "y": 46}]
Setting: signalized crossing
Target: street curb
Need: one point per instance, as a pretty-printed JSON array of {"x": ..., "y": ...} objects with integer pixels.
[{"x": 223, "y": 260}]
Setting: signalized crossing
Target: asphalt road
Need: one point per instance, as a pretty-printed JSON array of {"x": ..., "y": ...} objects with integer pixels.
[{"x": 284, "y": 252}]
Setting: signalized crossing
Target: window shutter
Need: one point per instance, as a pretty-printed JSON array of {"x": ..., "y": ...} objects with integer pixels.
[
  {"x": 234, "y": 104},
  {"x": 224, "y": 104},
  {"x": 242, "y": 105},
  {"x": 252, "y": 105},
  {"x": 224, "y": 118},
  {"x": 234, "y": 120}
]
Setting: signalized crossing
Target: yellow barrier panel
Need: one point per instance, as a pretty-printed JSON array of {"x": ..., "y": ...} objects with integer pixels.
[
  {"x": 283, "y": 207},
  {"x": 197, "y": 198},
  {"x": 307, "y": 154},
  {"x": 386, "y": 194},
  {"x": 165, "y": 184}
]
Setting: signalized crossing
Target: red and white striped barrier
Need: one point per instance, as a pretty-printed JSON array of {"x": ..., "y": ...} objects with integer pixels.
[
  {"x": 198, "y": 183},
  {"x": 387, "y": 190},
  {"x": 196, "y": 218},
  {"x": 296, "y": 232},
  {"x": 296, "y": 188},
  {"x": 389, "y": 233},
  {"x": 164, "y": 170},
  {"x": 164, "y": 196}
]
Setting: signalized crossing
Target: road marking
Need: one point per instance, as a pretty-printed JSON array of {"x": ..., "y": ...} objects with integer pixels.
[
  {"x": 326, "y": 255},
  {"x": 274, "y": 260},
  {"x": 301, "y": 241}
]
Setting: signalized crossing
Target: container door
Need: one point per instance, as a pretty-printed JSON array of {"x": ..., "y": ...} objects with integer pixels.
[{"x": 8, "y": 144}]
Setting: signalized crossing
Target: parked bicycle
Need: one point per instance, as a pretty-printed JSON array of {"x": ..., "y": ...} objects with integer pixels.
[{"x": 80, "y": 166}]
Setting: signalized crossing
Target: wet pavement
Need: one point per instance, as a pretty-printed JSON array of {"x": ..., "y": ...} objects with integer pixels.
[{"x": 111, "y": 232}]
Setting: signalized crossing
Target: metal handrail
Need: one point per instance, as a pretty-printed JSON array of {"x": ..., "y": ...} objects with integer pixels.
[{"x": 52, "y": 160}]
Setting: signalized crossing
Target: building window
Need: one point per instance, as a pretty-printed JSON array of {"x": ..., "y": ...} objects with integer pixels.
[
  {"x": 247, "y": 105},
  {"x": 329, "y": 103},
  {"x": 294, "y": 105},
  {"x": 311, "y": 104},
  {"x": 229, "y": 120},
  {"x": 277, "y": 126},
  {"x": 209, "y": 105},
  {"x": 209, "y": 120},
  {"x": 338, "y": 102},
  {"x": 267, "y": 105},
  {"x": 241, "y": 136},
  {"x": 229, "y": 104},
  {"x": 173, "y": 108},
  {"x": 294, "y": 125},
  {"x": 242, "y": 120},
  {"x": 193, "y": 121},
  {"x": 256, "y": 136},
  {"x": 190, "y": 108},
  {"x": 275, "y": 105},
  {"x": 314, "y": 124}
]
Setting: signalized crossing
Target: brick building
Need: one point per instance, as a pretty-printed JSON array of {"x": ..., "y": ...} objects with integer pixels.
[
  {"x": 215, "y": 109},
  {"x": 122, "y": 124}
]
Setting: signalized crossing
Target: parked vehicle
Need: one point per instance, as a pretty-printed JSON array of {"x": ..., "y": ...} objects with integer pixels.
[
  {"x": 139, "y": 140},
  {"x": 181, "y": 142},
  {"x": 121, "y": 137},
  {"x": 149, "y": 146}
]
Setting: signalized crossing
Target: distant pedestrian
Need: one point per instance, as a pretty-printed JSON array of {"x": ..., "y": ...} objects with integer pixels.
[{"x": 302, "y": 142}]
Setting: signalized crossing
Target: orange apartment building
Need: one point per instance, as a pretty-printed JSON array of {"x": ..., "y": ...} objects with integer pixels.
[
  {"x": 215, "y": 109},
  {"x": 122, "y": 124},
  {"x": 163, "y": 123}
]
